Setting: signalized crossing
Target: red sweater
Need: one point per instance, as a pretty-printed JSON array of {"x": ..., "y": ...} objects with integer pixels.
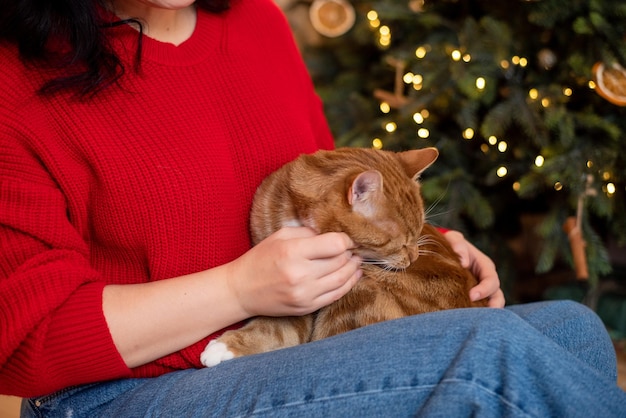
[{"x": 149, "y": 180}]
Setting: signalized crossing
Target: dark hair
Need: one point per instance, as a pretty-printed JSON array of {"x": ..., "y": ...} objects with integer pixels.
[{"x": 79, "y": 33}]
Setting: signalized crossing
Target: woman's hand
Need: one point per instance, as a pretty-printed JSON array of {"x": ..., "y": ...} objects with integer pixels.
[
  {"x": 481, "y": 266},
  {"x": 294, "y": 272}
]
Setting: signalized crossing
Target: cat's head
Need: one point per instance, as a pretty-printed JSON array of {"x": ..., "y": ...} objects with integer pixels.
[{"x": 380, "y": 206}]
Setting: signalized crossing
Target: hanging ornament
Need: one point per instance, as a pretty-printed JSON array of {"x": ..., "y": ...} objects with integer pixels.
[
  {"x": 547, "y": 58},
  {"x": 610, "y": 82},
  {"x": 416, "y": 6},
  {"x": 395, "y": 99},
  {"x": 573, "y": 228},
  {"x": 332, "y": 18}
]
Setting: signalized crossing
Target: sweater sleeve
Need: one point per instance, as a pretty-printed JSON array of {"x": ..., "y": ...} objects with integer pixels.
[{"x": 54, "y": 333}]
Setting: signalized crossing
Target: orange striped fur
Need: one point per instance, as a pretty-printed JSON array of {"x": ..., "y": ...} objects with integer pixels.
[{"x": 374, "y": 197}]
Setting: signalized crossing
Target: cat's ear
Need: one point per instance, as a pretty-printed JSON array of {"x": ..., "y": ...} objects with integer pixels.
[
  {"x": 364, "y": 190},
  {"x": 417, "y": 160}
]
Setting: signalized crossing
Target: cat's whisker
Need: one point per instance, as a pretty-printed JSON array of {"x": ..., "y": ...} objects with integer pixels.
[
  {"x": 427, "y": 240},
  {"x": 433, "y": 205},
  {"x": 429, "y": 253}
]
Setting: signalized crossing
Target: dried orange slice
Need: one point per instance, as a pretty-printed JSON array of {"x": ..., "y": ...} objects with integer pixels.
[{"x": 610, "y": 82}]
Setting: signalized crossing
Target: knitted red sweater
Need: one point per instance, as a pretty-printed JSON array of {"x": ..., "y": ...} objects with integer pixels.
[{"x": 149, "y": 180}]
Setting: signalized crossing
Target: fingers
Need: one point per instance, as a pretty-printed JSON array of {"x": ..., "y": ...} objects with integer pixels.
[
  {"x": 460, "y": 246},
  {"x": 482, "y": 267},
  {"x": 335, "y": 285}
]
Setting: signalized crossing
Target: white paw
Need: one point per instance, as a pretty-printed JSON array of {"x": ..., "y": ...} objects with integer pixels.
[{"x": 214, "y": 353}]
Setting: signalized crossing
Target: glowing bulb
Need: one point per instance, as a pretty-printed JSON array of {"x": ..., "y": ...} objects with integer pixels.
[
  {"x": 417, "y": 79},
  {"x": 372, "y": 15},
  {"x": 480, "y": 83},
  {"x": 533, "y": 93},
  {"x": 492, "y": 140},
  {"x": 468, "y": 133},
  {"x": 385, "y": 108},
  {"x": 418, "y": 118},
  {"x": 504, "y": 64},
  {"x": 523, "y": 62},
  {"x": 391, "y": 127},
  {"x": 515, "y": 60},
  {"x": 539, "y": 161},
  {"x": 502, "y": 146},
  {"x": 425, "y": 113},
  {"x": 408, "y": 78},
  {"x": 545, "y": 102},
  {"x": 567, "y": 92},
  {"x": 592, "y": 84},
  {"x": 517, "y": 186},
  {"x": 377, "y": 143},
  {"x": 558, "y": 186},
  {"x": 484, "y": 148},
  {"x": 423, "y": 133},
  {"x": 420, "y": 52},
  {"x": 501, "y": 171},
  {"x": 606, "y": 175},
  {"x": 456, "y": 55},
  {"x": 610, "y": 188},
  {"x": 467, "y": 58},
  {"x": 589, "y": 164},
  {"x": 384, "y": 31}
]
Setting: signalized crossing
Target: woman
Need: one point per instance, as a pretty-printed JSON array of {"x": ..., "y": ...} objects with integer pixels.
[{"x": 133, "y": 134}]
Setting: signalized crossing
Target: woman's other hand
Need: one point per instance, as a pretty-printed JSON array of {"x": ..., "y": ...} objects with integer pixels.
[{"x": 481, "y": 266}]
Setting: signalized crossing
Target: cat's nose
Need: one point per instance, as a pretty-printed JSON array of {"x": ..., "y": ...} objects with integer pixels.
[{"x": 413, "y": 253}]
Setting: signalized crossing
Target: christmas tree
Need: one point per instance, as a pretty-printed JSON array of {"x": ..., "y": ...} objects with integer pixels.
[{"x": 523, "y": 99}]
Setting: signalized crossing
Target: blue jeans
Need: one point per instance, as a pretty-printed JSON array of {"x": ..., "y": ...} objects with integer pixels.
[{"x": 547, "y": 359}]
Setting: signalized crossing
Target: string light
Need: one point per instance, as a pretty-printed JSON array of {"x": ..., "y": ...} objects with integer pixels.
[
  {"x": 558, "y": 186},
  {"x": 545, "y": 102},
  {"x": 492, "y": 140},
  {"x": 467, "y": 57},
  {"x": 423, "y": 133},
  {"x": 377, "y": 143},
  {"x": 372, "y": 16},
  {"x": 533, "y": 94},
  {"x": 606, "y": 175},
  {"x": 517, "y": 186},
  {"x": 420, "y": 52},
  {"x": 384, "y": 107},
  {"x": 610, "y": 189},
  {"x": 456, "y": 55},
  {"x": 567, "y": 91},
  {"x": 592, "y": 84},
  {"x": 521, "y": 61},
  {"x": 539, "y": 161},
  {"x": 501, "y": 171},
  {"x": 425, "y": 113},
  {"x": 418, "y": 118},
  {"x": 391, "y": 127},
  {"x": 385, "y": 35},
  {"x": 480, "y": 83},
  {"x": 484, "y": 148},
  {"x": 589, "y": 164},
  {"x": 468, "y": 133},
  {"x": 504, "y": 64},
  {"x": 502, "y": 146}
]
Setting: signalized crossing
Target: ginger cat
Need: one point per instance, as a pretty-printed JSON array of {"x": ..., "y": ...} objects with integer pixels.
[{"x": 374, "y": 197}]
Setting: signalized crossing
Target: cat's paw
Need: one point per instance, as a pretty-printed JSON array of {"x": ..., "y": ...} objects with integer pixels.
[{"x": 214, "y": 353}]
